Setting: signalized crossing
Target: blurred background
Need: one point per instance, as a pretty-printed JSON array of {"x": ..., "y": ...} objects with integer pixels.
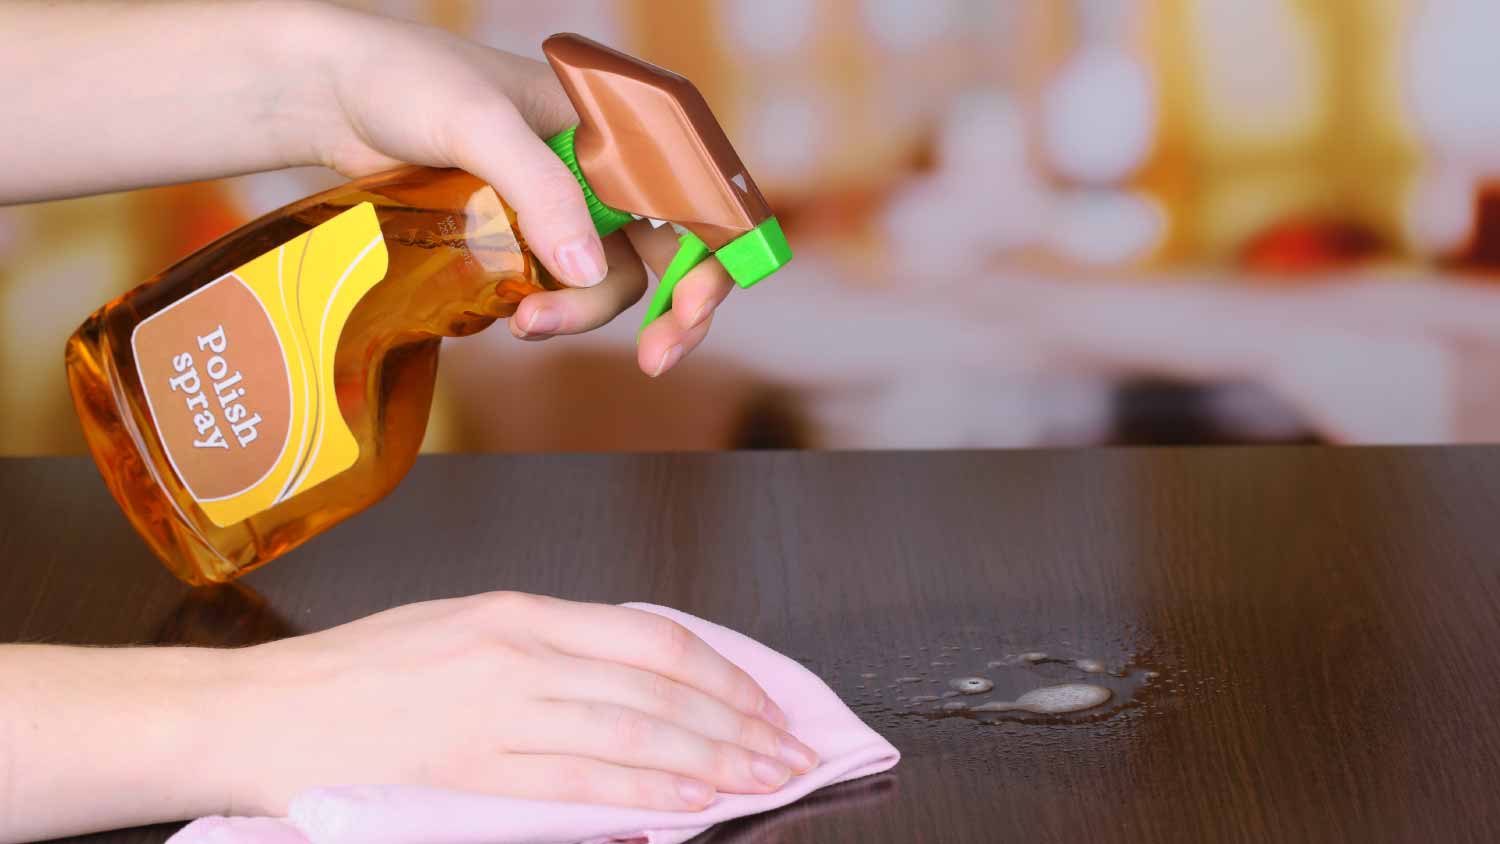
[{"x": 1018, "y": 223}]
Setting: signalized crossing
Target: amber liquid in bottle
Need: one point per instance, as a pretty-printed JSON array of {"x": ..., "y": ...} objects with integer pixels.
[{"x": 457, "y": 262}]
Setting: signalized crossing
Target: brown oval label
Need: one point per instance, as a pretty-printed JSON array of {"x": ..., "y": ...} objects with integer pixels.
[{"x": 216, "y": 380}]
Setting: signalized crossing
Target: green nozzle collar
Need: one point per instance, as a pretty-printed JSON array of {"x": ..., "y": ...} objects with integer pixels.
[
  {"x": 606, "y": 219},
  {"x": 755, "y": 254},
  {"x": 749, "y": 258}
]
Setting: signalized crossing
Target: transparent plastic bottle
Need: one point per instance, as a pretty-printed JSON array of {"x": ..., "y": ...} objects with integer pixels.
[
  {"x": 279, "y": 380},
  {"x": 457, "y": 262}
]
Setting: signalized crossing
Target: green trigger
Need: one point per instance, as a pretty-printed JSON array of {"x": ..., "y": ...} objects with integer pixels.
[{"x": 691, "y": 252}]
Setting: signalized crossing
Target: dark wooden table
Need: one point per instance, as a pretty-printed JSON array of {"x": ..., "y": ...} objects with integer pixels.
[{"x": 1324, "y": 622}]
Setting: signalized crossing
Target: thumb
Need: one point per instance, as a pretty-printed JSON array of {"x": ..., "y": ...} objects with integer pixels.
[{"x": 500, "y": 147}]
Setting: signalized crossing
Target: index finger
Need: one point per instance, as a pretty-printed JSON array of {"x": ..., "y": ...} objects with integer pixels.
[
  {"x": 670, "y": 338},
  {"x": 652, "y": 643}
]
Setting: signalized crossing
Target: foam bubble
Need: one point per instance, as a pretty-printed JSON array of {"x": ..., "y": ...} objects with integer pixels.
[
  {"x": 1053, "y": 700},
  {"x": 971, "y": 685},
  {"x": 1090, "y": 666}
]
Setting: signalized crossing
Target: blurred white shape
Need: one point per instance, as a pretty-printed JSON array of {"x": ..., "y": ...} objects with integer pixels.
[
  {"x": 1254, "y": 413},
  {"x": 904, "y": 25},
  {"x": 974, "y": 409},
  {"x": 520, "y": 28},
  {"x": 1106, "y": 228},
  {"x": 984, "y": 198},
  {"x": 1345, "y": 381},
  {"x": 1099, "y": 116},
  {"x": 903, "y": 417},
  {"x": 787, "y": 134},
  {"x": 983, "y": 132},
  {"x": 1440, "y": 209},
  {"x": 939, "y": 229},
  {"x": 770, "y": 27},
  {"x": 1258, "y": 71},
  {"x": 1453, "y": 63}
]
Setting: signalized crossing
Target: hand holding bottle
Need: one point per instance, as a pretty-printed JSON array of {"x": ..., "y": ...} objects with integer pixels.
[
  {"x": 173, "y": 92},
  {"x": 411, "y": 94}
]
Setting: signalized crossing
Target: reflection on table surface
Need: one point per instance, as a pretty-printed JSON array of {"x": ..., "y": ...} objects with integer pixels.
[{"x": 1321, "y": 621}]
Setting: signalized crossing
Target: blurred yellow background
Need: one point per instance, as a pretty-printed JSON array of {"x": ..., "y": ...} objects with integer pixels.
[{"x": 1017, "y": 223}]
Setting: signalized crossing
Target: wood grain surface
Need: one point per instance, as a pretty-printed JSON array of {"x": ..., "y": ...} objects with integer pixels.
[{"x": 1323, "y": 622}]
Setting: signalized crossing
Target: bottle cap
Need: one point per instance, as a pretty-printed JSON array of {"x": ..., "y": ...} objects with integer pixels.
[{"x": 647, "y": 147}]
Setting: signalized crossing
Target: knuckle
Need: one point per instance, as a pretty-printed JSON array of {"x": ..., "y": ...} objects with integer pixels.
[
  {"x": 498, "y": 621},
  {"x": 544, "y": 102},
  {"x": 756, "y": 736},
  {"x": 730, "y": 762},
  {"x": 465, "y": 141},
  {"x": 498, "y": 601},
  {"x": 663, "y": 692},
  {"x": 584, "y": 780},
  {"x": 507, "y": 604},
  {"x": 671, "y": 642},
  {"x": 550, "y": 195},
  {"x": 646, "y": 790},
  {"x": 743, "y": 694},
  {"x": 631, "y": 730}
]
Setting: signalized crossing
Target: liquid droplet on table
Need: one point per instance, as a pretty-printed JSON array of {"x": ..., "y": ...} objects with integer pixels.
[{"x": 1052, "y": 700}]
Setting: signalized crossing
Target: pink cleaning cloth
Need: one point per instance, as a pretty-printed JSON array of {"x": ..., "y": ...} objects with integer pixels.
[{"x": 389, "y": 814}]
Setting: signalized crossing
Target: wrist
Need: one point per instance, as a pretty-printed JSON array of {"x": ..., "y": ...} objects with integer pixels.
[
  {"x": 304, "y": 44},
  {"x": 111, "y": 737},
  {"x": 192, "y": 712},
  {"x": 252, "y": 741}
]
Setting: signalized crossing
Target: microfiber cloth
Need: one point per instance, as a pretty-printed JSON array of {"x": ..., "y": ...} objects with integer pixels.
[{"x": 394, "y": 814}]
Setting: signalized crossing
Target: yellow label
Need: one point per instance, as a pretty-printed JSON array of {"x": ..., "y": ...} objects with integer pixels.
[{"x": 243, "y": 396}]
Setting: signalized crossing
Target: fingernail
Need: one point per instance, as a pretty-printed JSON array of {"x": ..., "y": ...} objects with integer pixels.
[
  {"x": 700, "y": 314},
  {"x": 668, "y": 359},
  {"x": 582, "y": 261},
  {"x": 795, "y": 755},
  {"x": 543, "y": 321},
  {"x": 769, "y": 771},
  {"x": 771, "y": 712},
  {"x": 694, "y": 793}
]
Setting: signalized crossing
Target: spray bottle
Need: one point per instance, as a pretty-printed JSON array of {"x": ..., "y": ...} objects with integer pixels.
[{"x": 279, "y": 380}]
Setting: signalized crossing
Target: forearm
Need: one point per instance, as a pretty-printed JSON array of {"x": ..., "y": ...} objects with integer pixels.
[
  {"x": 102, "y": 96},
  {"x": 102, "y": 738}
]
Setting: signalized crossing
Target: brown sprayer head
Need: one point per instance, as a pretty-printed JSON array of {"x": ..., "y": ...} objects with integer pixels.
[{"x": 647, "y": 145}]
